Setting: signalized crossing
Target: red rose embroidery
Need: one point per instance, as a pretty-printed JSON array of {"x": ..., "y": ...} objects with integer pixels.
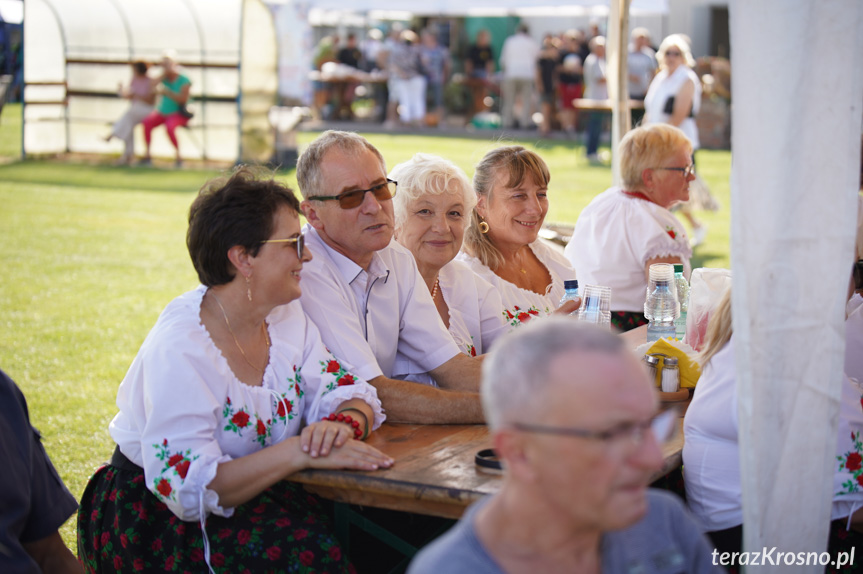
[
  {"x": 333, "y": 367},
  {"x": 854, "y": 462},
  {"x": 164, "y": 487},
  {"x": 282, "y": 522},
  {"x": 472, "y": 351},
  {"x": 228, "y": 400},
  {"x": 124, "y": 540},
  {"x": 307, "y": 557},
  {"x": 860, "y": 480},
  {"x": 118, "y": 563},
  {"x": 533, "y": 312},
  {"x": 183, "y": 468},
  {"x": 285, "y": 407},
  {"x": 523, "y": 317},
  {"x": 335, "y": 553},
  {"x": 243, "y": 537},
  {"x": 241, "y": 419},
  {"x": 224, "y": 533},
  {"x": 217, "y": 559},
  {"x": 175, "y": 458},
  {"x": 169, "y": 562},
  {"x": 165, "y": 442},
  {"x": 181, "y": 529},
  {"x": 196, "y": 555},
  {"x": 262, "y": 428},
  {"x": 106, "y": 537},
  {"x": 346, "y": 380},
  {"x": 672, "y": 233},
  {"x": 259, "y": 509},
  {"x": 300, "y": 534},
  {"x": 156, "y": 545},
  {"x": 273, "y": 552},
  {"x": 138, "y": 564}
]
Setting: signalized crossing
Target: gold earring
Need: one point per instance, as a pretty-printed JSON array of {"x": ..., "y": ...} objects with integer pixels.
[
  {"x": 248, "y": 289},
  {"x": 483, "y": 227}
]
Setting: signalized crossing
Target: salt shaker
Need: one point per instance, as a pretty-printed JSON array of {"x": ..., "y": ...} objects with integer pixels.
[
  {"x": 670, "y": 375},
  {"x": 652, "y": 361}
]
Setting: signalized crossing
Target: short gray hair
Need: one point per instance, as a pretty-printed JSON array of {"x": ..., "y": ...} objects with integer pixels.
[
  {"x": 309, "y": 173},
  {"x": 428, "y": 174},
  {"x": 515, "y": 374}
]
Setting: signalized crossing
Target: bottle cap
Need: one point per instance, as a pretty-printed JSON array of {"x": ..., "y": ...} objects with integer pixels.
[
  {"x": 678, "y": 267},
  {"x": 651, "y": 359},
  {"x": 570, "y": 284},
  {"x": 670, "y": 362}
]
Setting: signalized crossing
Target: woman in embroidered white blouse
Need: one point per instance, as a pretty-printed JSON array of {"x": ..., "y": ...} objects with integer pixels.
[
  {"x": 502, "y": 242},
  {"x": 225, "y": 400},
  {"x": 431, "y": 213},
  {"x": 623, "y": 231}
]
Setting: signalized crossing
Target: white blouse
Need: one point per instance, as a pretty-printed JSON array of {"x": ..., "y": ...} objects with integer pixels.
[
  {"x": 663, "y": 87},
  {"x": 183, "y": 411},
  {"x": 614, "y": 238},
  {"x": 475, "y": 321},
  {"x": 711, "y": 464},
  {"x": 519, "y": 305}
]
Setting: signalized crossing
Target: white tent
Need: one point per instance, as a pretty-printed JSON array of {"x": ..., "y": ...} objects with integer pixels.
[
  {"x": 76, "y": 54},
  {"x": 798, "y": 103}
]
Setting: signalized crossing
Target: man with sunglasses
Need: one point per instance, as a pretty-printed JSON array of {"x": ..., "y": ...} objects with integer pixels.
[
  {"x": 364, "y": 291},
  {"x": 575, "y": 422}
]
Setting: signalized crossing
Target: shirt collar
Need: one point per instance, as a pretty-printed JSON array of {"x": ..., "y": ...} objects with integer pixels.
[{"x": 346, "y": 266}]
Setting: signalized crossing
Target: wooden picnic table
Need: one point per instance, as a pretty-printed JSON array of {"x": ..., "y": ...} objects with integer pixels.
[
  {"x": 603, "y": 105},
  {"x": 435, "y": 472}
]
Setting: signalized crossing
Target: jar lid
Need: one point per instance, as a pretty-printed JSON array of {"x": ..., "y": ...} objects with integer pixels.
[
  {"x": 670, "y": 362},
  {"x": 651, "y": 359}
]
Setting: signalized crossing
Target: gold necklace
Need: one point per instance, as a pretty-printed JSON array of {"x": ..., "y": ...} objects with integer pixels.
[
  {"x": 237, "y": 343},
  {"x": 435, "y": 287}
]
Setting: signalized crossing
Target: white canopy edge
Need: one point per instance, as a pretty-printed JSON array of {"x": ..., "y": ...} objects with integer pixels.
[
  {"x": 797, "y": 117},
  {"x": 403, "y": 9},
  {"x": 12, "y": 11}
]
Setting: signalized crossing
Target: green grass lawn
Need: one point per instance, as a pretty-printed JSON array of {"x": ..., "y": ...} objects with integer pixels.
[{"x": 92, "y": 254}]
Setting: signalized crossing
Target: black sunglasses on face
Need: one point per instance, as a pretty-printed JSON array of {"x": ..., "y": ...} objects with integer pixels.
[
  {"x": 300, "y": 240},
  {"x": 351, "y": 199}
]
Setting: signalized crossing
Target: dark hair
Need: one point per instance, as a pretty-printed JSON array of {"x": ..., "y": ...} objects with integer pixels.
[
  {"x": 140, "y": 67},
  {"x": 238, "y": 209}
]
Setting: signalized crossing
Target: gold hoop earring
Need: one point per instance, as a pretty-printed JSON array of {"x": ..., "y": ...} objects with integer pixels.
[
  {"x": 248, "y": 289},
  {"x": 483, "y": 227}
]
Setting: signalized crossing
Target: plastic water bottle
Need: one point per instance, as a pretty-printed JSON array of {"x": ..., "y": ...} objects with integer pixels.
[
  {"x": 661, "y": 306},
  {"x": 570, "y": 287},
  {"x": 683, "y": 299}
]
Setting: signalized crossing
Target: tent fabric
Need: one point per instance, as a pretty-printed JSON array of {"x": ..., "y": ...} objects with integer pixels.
[
  {"x": 77, "y": 54},
  {"x": 479, "y": 7},
  {"x": 797, "y": 105}
]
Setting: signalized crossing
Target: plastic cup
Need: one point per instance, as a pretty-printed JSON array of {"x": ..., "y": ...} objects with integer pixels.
[{"x": 595, "y": 305}]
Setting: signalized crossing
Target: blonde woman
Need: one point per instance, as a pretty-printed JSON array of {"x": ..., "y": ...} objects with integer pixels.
[
  {"x": 502, "y": 243},
  {"x": 711, "y": 452}
]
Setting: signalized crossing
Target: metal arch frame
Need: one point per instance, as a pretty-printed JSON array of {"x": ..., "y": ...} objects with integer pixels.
[
  {"x": 60, "y": 27},
  {"x": 130, "y": 43},
  {"x": 240, "y": 83}
]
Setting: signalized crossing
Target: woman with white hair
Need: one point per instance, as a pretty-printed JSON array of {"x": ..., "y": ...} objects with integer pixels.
[{"x": 431, "y": 209}]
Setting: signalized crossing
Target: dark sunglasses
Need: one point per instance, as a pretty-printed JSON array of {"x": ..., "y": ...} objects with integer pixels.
[
  {"x": 300, "y": 240},
  {"x": 351, "y": 199}
]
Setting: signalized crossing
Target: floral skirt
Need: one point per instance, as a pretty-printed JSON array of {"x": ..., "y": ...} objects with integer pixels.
[
  {"x": 627, "y": 320},
  {"x": 123, "y": 527}
]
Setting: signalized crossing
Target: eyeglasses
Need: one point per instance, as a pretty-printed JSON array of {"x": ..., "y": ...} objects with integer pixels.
[
  {"x": 672, "y": 53},
  {"x": 686, "y": 171},
  {"x": 300, "y": 240},
  {"x": 663, "y": 426},
  {"x": 352, "y": 199}
]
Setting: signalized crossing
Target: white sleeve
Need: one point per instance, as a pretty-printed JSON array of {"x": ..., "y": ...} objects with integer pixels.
[
  {"x": 182, "y": 400},
  {"x": 329, "y": 382},
  {"x": 492, "y": 324},
  {"x": 658, "y": 238}
]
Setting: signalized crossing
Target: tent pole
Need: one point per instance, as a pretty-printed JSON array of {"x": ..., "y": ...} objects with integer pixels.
[{"x": 618, "y": 78}]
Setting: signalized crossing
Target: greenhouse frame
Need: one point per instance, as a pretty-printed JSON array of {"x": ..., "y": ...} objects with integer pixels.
[{"x": 77, "y": 54}]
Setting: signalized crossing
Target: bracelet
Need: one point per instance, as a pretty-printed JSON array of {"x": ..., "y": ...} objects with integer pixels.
[
  {"x": 365, "y": 418},
  {"x": 347, "y": 420}
]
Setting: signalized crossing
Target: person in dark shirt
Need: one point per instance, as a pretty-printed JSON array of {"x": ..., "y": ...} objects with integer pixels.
[
  {"x": 34, "y": 503},
  {"x": 350, "y": 55},
  {"x": 479, "y": 68}
]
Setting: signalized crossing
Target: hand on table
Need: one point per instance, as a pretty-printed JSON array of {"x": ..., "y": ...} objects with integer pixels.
[{"x": 330, "y": 444}]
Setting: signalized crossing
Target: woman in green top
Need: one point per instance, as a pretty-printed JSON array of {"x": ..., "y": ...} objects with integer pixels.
[{"x": 173, "y": 89}]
